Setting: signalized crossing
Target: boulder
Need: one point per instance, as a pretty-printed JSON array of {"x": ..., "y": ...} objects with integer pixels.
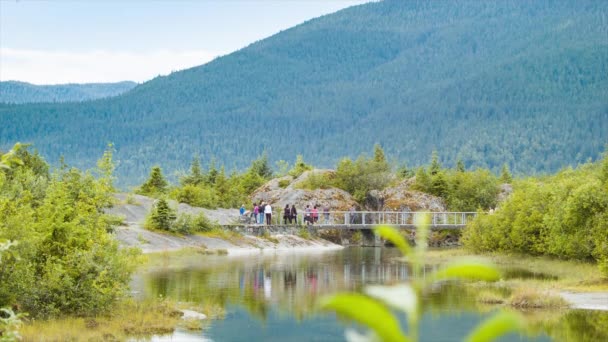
[
  {"x": 505, "y": 191},
  {"x": 278, "y": 197},
  {"x": 402, "y": 198}
]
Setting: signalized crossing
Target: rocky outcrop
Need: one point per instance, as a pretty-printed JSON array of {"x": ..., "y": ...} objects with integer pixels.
[
  {"x": 505, "y": 191},
  {"x": 278, "y": 196},
  {"x": 403, "y": 198}
]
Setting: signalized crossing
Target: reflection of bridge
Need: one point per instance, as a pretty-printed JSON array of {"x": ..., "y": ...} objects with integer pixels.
[{"x": 369, "y": 219}]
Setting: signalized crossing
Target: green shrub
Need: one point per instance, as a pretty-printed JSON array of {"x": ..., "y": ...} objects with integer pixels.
[
  {"x": 565, "y": 215},
  {"x": 161, "y": 217},
  {"x": 283, "y": 183}
]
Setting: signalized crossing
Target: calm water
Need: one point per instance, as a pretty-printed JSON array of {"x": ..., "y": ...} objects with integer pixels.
[{"x": 272, "y": 297}]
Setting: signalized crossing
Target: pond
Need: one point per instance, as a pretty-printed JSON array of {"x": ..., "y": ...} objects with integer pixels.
[{"x": 273, "y": 297}]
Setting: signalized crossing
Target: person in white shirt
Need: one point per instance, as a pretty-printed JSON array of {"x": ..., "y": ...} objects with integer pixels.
[{"x": 268, "y": 212}]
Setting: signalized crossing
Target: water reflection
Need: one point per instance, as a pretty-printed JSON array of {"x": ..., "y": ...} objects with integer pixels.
[{"x": 274, "y": 296}]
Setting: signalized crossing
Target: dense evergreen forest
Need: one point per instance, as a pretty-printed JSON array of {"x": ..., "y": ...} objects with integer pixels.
[
  {"x": 22, "y": 92},
  {"x": 487, "y": 82}
]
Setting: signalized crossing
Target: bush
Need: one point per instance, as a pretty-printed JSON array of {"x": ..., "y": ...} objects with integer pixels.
[
  {"x": 65, "y": 262},
  {"x": 565, "y": 216},
  {"x": 161, "y": 217}
]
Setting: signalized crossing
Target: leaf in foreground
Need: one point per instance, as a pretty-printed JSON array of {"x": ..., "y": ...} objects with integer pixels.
[
  {"x": 368, "y": 312},
  {"x": 469, "y": 270},
  {"x": 391, "y": 234},
  {"x": 402, "y": 296},
  {"x": 498, "y": 325}
]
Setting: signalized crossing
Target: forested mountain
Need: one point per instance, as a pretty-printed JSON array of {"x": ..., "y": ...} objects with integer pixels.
[
  {"x": 489, "y": 82},
  {"x": 22, "y": 92}
]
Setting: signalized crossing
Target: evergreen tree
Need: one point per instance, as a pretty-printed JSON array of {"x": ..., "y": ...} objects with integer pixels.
[
  {"x": 212, "y": 173},
  {"x": 261, "y": 166},
  {"x": 505, "y": 174},
  {"x": 106, "y": 167},
  {"x": 435, "y": 165},
  {"x": 423, "y": 181},
  {"x": 379, "y": 154},
  {"x": 460, "y": 166},
  {"x": 299, "y": 167},
  {"x": 439, "y": 184},
  {"x": 162, "y": 216},
  {"x": 195, "y": 177},
  {"x": 155, "y": 185}
]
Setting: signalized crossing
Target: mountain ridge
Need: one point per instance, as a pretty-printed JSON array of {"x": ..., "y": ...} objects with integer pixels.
[
  {"x": 18, "y": 92},
  {"x": 489, "y": 83}
]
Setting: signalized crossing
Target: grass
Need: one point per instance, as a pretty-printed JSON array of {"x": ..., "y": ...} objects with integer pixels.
[
  {"x": 530, "y": 298},
  {"x": 129, "y": 319},
  {"x": 224, "y": 234},
  {"x": 266, "y": 236},
  {"x": 565, "y": 275},
  {"x": 304, "y": 233}
]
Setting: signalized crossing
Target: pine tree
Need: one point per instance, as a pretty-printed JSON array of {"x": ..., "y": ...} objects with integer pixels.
[
  {"x": 423, "y": 181},
  {"x": 156, "y": 183},
  {"x": 505, "y": 174},
  {"x": 195, "y": 177},
  {"x": 460, "y": 166},
  {"x": 212, "y": 173},
  {"x": 162, "y": 216},
  {"x": 379, "y": 154},
  {"x": 106, "y": 167},
  {"x": 262, "y": 167},
  {"x": 299, "y": 167},
  {"x": 435, "y": 165}
]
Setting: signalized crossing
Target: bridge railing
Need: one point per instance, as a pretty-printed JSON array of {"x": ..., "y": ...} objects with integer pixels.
[{"x": 360, "y": 218}]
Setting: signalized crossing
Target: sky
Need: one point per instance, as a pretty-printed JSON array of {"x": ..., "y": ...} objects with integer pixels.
[{"x": 75, "y": 41}]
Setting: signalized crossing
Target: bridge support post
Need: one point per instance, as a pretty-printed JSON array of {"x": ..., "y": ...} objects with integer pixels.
[{"x": 369, "y": 239}]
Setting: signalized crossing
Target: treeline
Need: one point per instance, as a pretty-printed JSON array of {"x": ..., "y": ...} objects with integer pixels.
[
  {"x": 516, "y": 82},
  {"x": 462, "y": 190},
  {"x": 564, "y": 215},
  {"x": 58, "y": 255},
  {"x": 22, "y": 92}
]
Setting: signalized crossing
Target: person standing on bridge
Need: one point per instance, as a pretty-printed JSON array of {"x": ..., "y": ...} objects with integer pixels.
[
  {"x": 293, "y": 214},
  {"x": 261, "y": 210},
  {"x": 315, "y": 214},
  {"x": 286, "y": 214},
  {"x": 256, "y": 211},
  {"x": 268, "y": 212},
  {"x": 326, "y": 214}
]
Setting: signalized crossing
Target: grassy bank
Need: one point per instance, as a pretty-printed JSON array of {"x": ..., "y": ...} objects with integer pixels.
[{"x": 528, "y": 282}]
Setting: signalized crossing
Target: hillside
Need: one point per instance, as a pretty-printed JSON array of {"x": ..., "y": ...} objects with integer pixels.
[
  {"x": 519, "y": 82},
  {"x": 22, "y": 92}
]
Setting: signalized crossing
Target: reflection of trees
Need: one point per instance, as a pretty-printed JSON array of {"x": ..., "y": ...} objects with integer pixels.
[{"x": 291, "y": 284}]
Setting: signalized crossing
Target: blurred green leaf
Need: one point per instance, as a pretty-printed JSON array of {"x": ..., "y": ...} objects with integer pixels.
[
  {"x": 368, "y": 312},
  {"x": 391, "y": 234},
  {"x": 467, "y": 269},
  {"x": 352, "y": 335},
  {"x": 401, "y": 297},
  {"x": 500, "y": 324}
]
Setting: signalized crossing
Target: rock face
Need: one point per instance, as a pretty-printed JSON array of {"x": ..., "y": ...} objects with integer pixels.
[
  {"x": 505, "y": 191},
  {"x": 402, "y": 198},
  {"x": 278, "y": 197}
]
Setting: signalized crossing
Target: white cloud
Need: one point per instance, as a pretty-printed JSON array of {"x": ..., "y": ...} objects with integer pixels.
[{"x": 55, "y": 67}]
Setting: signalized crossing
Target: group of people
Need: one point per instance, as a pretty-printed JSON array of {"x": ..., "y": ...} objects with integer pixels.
[
  {"x": 263, "y": 212},
  {"x": 260, "y": 213}
]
